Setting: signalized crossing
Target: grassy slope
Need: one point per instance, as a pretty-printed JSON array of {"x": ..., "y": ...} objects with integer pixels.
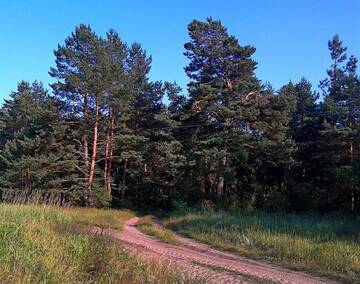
[
  {"x": 42, "y": 244},
  {"x": 325, "y": 246}
]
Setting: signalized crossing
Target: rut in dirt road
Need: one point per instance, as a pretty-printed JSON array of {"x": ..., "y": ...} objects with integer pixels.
[{"x": 200, "y": 261}]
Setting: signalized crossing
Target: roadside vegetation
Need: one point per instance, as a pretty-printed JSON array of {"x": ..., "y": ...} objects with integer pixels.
[
  {"x": 148, "y": 226},
  {"x": 51, "y": 245},
  {"x": 326, "y": 246}
]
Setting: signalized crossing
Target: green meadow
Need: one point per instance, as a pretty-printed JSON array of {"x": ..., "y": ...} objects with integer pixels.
[{"x": 327, "y": 246}]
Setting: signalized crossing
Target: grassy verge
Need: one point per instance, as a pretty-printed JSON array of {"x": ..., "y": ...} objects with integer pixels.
[
  {"x": 324, "y": 246},
  {"x": 147, "y": 226},
  {"x": 51, "y": 245}
]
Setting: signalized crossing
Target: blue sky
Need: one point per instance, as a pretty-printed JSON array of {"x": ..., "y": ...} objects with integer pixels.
[{"x": 290, "y": 36}]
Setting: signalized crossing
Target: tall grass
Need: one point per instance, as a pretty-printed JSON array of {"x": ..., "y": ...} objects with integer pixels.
[
  {"x": 148, "y": 226},
  {"x": 51, "y": 245},
  {"x": 327, "y": 246}
]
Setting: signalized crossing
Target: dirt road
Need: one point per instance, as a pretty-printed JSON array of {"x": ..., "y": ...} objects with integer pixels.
[{"x": 201, "y": 261}]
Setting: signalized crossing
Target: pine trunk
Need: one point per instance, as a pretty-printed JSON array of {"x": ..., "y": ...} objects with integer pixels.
[
  {"x": 111, "y": 151},
  {"x": 220, "y": 185},
  {"x": 94, "y": 150},
  {"x": 107, "y": 148},
  {"x": 351, "y": 150},
  {"x": 108, "y": 153},
  {"x": 202, "y": 184},
  {"x": 124, "y": 179},
  {"x": 86, "y": 144}
]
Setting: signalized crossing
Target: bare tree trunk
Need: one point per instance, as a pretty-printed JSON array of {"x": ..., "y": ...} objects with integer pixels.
[
  {"x": 351, "y": 150},
  {"x": 124, "y": 179},
  {"x": 106, "y": 159},
  {"x": 351, "y": 122},
  {"x": 229, "y": 127},
  {"x": 86, "y": 144},
  {"x": 111, "y": 151},
  {"x": 202, "y": 184},
  {"x": 107, "y": 153},
  {"x": 220, "y": 185},
  {"x": 94, "y": 150}
]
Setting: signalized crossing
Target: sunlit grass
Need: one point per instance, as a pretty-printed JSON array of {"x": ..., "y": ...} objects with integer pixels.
[
  {"x": 323, "y": 245},
  {"x": 53, "y": 245},
  {"x": 147, "y": 226}
]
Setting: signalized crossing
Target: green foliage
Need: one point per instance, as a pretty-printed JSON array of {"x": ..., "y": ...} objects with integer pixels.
[
  {"x": 35, "y": 155},
  {"x": 100, "y": 197},
  {"x": 110, "y": 137},
  {"x": 238, "y": 141},
  {"x": 180, "y": 207},
  {"x": 341, "y": 122}
]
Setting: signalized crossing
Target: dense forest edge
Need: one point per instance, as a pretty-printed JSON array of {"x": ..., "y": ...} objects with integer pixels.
[{"x": 107, "y": 136}]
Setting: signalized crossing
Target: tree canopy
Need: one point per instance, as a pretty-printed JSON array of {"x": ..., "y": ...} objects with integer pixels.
[{"x": 109, "y": 136}]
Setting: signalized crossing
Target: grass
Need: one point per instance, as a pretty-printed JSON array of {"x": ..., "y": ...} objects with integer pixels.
[
  {"x": 326, "y": 246},
  {"x": 53, "y": 245},
  {"x": 147, "y": 226}
]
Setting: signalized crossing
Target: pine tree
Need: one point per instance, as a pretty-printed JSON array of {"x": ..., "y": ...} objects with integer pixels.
[
  {"x": 342, "y": 104},
  {"x": 126, "y": 141},
  {"x": 117, "y": 94},
  {"x": 231, "y": 116},
  {"x": 150, "y": 155},
  {"x": 222, "y": 76},
  {"x": 80, "y": 65},
  {"x": 305, "y": 127},
  {"x": 35, "y": 157}
]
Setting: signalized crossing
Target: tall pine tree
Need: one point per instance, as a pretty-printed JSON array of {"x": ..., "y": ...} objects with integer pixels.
[{"x": 342, "y": 116}]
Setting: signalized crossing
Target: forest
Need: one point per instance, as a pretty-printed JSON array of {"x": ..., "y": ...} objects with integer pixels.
[{"x": 105, "y": 135}]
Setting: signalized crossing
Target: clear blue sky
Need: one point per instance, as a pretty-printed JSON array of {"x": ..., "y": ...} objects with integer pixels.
[{"x": 290, "y": 36}]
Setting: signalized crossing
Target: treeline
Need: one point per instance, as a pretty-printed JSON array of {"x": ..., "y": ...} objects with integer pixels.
[{"x": 108, "y": 136}]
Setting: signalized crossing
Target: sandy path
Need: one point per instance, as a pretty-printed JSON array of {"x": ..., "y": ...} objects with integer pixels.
[{"x": 198, "y": 260}]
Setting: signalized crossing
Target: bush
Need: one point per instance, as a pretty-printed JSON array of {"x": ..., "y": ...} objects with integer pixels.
[
  {"x": 100, "y": 197},
  {"x": 180, "y": 207},
  {"x": 276, "y": 202},
  {"x": 301, "y": 197}
]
